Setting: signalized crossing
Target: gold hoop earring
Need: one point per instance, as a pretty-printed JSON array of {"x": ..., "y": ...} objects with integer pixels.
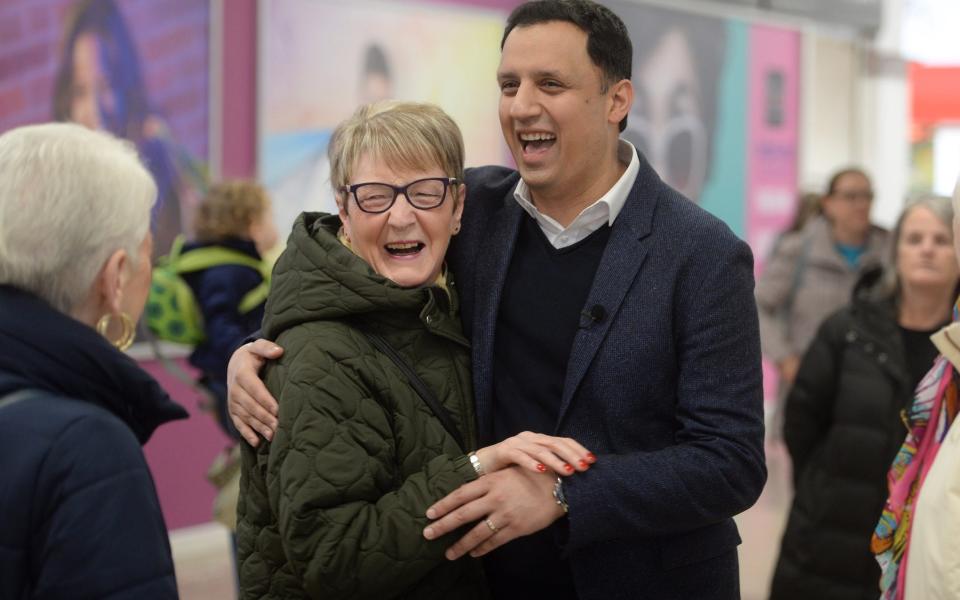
[
  {"x": 344, "y": 238},
  {"x": 126, "y": 335}
]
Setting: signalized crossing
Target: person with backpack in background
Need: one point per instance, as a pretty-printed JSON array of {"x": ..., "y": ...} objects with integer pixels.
[
  {"x": 235, "y": 216},
  {"x": 209, "y": 294}
]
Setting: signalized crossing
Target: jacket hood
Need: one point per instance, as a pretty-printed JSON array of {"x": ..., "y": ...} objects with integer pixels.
[
  {"x": 318, "y": 278},
  {"x": 41, "y": 348},
  {"x": 872, "y": 285}
]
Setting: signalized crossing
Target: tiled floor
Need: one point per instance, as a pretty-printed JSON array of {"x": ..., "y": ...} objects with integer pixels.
[
  {"x": 204, "y": 571},
  {"x": 201, "y": 556},
  {"x": 762, "y": 525}
]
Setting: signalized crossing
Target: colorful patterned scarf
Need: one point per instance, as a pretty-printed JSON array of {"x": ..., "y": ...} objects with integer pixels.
[{"x": 934, "y": 403}]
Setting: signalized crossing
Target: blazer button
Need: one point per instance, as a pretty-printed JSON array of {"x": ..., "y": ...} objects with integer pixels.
[
  {"x": 851, "y": 336},
  {"x": 882, "y": 357}
]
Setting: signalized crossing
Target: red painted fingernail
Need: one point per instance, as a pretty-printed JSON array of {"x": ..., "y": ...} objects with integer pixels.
[
  {"x": 583, "y": 464},
  {"x": 568, "y": 468},
  {"x": 591, "y": 457},
  {"x": 541, "y": 468}
]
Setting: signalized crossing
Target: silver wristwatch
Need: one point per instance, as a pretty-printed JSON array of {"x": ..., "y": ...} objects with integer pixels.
[{"x": 477, "y": 466}]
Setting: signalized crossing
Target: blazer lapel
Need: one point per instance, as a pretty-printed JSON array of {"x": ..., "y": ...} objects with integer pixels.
[
  {"x": 493, "y": 262},
  {"x": 625, "y": 253}
]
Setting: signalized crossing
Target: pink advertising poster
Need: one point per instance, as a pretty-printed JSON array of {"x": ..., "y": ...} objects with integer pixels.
[
  {"x": 771, "y": 135},
  {"x": 771, "y": 170}
]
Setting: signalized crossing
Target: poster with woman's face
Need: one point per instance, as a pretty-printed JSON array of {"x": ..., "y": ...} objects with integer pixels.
[
  {"x": 715, "y": 113},
  {"x": 319, "y": 60},
  {"x": 679, "y": 60},
  {"x": 137, "y": 68}
]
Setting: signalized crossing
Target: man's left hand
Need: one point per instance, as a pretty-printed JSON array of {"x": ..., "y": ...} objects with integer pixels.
[{"x": 508, "y": 504}]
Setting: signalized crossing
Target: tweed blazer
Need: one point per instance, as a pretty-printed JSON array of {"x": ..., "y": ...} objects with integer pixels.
[{"x": 664, "y": 386}]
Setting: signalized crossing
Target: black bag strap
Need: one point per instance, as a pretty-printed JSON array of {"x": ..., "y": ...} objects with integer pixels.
[{"x": 418, "y": 384}]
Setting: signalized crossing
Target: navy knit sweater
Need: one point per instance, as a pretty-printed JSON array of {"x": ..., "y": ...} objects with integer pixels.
[{"x": 541, "y": 310}]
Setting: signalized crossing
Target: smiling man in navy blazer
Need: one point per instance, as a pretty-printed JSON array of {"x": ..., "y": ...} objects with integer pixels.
[{"x": 605, "y": 307}]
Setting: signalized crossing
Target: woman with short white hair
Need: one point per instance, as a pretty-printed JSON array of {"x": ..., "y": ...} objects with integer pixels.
[{"x": 79, "y": 515}]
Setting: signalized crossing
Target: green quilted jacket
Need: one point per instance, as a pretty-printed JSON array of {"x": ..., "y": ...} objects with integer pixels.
[{"x": 334, "y": 506}]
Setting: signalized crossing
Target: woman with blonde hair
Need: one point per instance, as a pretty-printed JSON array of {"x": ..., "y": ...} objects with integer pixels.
[
  {"x": 79, "y": 515},
  {"x": 376, "y": 415}
]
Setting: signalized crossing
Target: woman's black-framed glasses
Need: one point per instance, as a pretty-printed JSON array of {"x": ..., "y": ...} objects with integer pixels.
[{"x": 375, "y": 197}]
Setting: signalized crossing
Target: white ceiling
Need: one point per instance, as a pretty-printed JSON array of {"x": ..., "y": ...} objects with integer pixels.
[{"x": 930, "y": 31}]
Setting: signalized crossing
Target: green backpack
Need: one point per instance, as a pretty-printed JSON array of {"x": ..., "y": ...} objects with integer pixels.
[{"x": 172, "y": 312}]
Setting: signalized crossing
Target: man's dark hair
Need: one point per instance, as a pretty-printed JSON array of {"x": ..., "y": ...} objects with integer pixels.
[{"x": 608, "y": 42}]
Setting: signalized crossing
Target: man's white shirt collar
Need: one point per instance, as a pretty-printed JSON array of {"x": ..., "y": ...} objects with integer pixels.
[{"x": 603, "y": 211}]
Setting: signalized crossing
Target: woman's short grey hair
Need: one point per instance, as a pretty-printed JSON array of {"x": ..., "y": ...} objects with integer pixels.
[
  {"x": 941, "y": 207},
  {"x": 411, "y": 135},
  {"x": 69, "y": 198}
]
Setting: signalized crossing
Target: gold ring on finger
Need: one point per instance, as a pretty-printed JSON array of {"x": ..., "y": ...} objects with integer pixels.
[{"x": 490, "y": 525}]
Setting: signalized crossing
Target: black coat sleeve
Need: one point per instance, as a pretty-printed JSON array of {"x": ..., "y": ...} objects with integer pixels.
[{"x": 809, "y": 405}]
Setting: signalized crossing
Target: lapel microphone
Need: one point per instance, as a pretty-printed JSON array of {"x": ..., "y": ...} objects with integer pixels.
[{"x": 594, "y": 314}]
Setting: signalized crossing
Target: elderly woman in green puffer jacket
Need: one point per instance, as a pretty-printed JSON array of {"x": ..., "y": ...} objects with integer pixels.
[{"x": 334, "y": 506}]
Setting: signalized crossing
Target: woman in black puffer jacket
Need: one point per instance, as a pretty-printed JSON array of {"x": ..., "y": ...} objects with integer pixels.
[{"x": 843, "y": 416}]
